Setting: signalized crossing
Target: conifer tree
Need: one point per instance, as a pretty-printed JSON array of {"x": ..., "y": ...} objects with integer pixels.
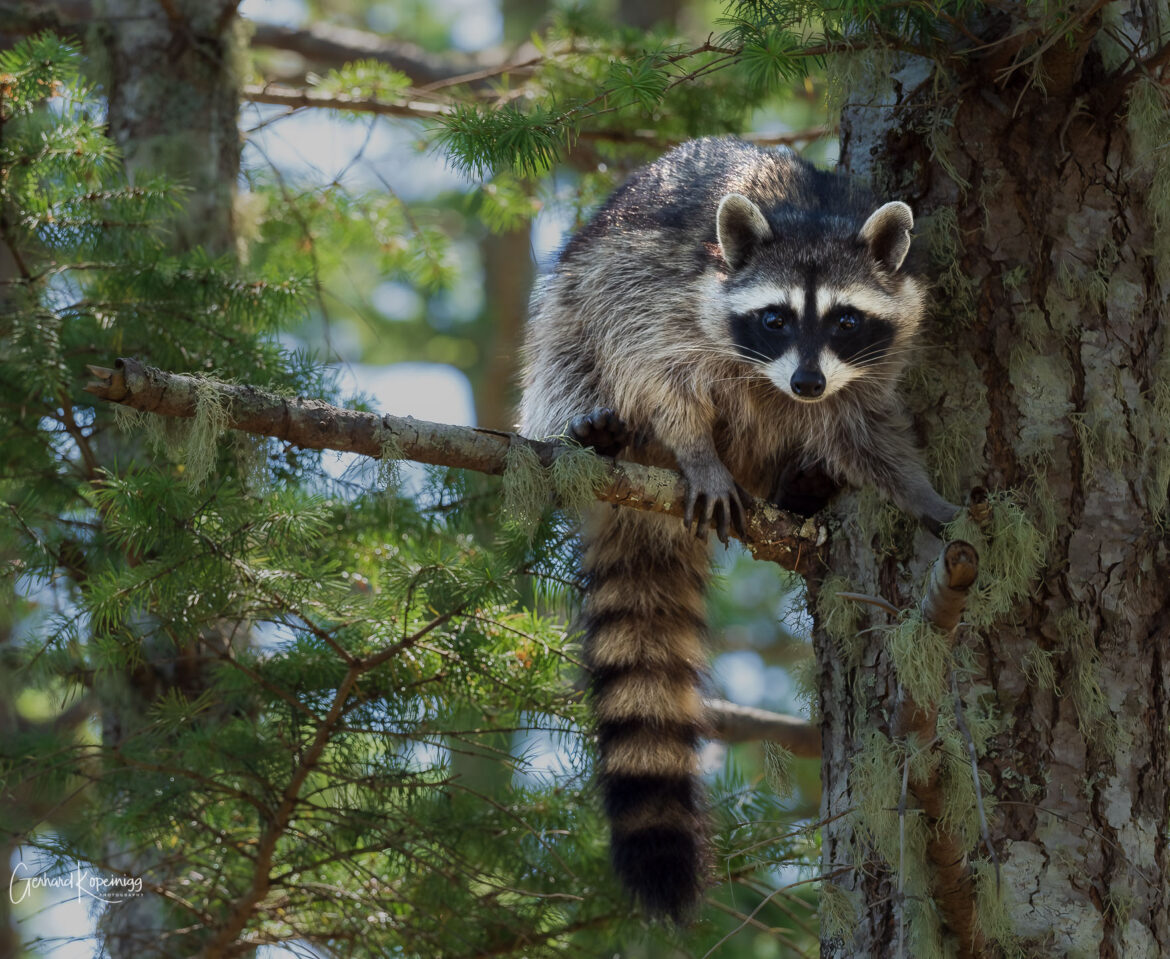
[{"x": 994, "y": 766}]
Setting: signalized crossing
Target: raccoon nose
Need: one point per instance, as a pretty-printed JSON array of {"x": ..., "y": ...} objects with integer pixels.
[{"x": 808, "y": 383}]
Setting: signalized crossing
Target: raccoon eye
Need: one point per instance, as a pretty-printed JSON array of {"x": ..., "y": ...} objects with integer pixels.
[
  {"x": 773, "y": 318},
  {"x": 848, "y": 322}
]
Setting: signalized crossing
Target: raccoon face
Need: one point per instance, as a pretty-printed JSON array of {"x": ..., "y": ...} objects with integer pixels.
[
  {"x": 811, "y": 341},
  {"x": 816, "y": 320}
]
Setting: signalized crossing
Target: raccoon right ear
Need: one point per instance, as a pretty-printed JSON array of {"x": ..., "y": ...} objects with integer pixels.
[
  {"x": 739, "y": 227},
  {"x": 887, "y": 234}
]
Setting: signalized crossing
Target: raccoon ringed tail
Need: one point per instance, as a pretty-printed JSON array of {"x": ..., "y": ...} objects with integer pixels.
[{"x": 644, "y": 628}]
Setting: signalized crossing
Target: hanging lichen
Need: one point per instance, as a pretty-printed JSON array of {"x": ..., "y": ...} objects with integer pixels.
[
  {"x": 837, "y": 911},
  {"x": 778, "y": 769},
  {"x": 1148, "y": 120},
  {"x": 129, "y": 420},
  {"x": 991, "y": 910},
  {"x": 390, "y": 460},
  {"x": 1083, "y": 684},
  {"x": 1011, "y": 551},
  {"x": 525, "y": 488},
  {"x": 876, "y": 787},
  {"x": 922, "y": 659},
  {"x": 841, "y": 619},
  {"x": 208, "y": 425},
  {"x": 577, "y": 474}
]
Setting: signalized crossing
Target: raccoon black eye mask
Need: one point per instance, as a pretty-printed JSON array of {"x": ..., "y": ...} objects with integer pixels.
[
  {"x": 808, "y": 356},
  {"x": 737, "y": 311}
]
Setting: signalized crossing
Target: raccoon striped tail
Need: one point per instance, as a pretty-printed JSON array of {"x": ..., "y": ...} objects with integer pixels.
[{"x": 644, "y": 625}]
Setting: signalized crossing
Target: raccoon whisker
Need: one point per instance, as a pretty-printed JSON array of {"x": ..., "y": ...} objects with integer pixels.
[
  {"x": 717, "y": 348},
  {"x": 717, "y": 353},
  {"x": 877, "y": 355},
  {"x": 713, "y": 349},
  {"x": 750, "y": 376},
  {"x": 710, "y": 351},
  {"x": 764, "y": 358}
]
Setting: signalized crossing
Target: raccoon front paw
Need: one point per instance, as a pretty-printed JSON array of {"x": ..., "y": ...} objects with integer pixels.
[
  {"x": 714, "y": 499},
  {"x": 602, "y": 430}
]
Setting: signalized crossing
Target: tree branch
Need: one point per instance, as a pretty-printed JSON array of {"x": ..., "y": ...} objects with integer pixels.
[
  {"x": 741, "y": 724},
  {"x": 772, "y": 534},
  {"x": 327, "y": 45},
  {"x": 951, "y": 579},
  {"x": 296, "y": 98}
]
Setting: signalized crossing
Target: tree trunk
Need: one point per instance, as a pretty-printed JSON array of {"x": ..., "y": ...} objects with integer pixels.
[
  {"x": 508, "y": 272},
  {"x": 1044, "y": 378},
  {"x": 171, "y": 78}
]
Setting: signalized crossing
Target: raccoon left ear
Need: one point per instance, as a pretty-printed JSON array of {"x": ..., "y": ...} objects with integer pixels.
[
  {"x": 739, "y": 227},
  {"x": 887, "y": 234}
]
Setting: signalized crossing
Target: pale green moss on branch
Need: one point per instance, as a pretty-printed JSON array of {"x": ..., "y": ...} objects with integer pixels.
[
  {"x": 841, "y": 619},
  {"x": 838, "y": 912},
  {"x": 778, "y": 769},
  {"x": 390, "y": 459},
  {"x": 876, "y": 785}
]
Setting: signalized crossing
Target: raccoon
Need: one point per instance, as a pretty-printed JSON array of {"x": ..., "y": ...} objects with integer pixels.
[{"x": 732, "y": 313}]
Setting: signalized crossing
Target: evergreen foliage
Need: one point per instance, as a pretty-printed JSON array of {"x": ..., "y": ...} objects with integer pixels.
[{"x": 318, "y": 664}]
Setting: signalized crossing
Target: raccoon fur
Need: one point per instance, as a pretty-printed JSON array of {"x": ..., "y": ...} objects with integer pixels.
[{"x": 732, "y": 313}]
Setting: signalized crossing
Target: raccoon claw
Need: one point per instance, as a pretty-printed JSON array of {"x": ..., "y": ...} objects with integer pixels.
[
  {"x": 602, "y": 430},
  {"x": 723, "y": 510}
]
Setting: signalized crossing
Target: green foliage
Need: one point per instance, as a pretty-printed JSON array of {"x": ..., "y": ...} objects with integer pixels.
[
  {"x": 481, "y": 140},
  {"x": 598, "y": 88},
  {"x": 364, "y": 79},
  {"x": 290, "y": 663},
  {"x": 504, "y": 203}
]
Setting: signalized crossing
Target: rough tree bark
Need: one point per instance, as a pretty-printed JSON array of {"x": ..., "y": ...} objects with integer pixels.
[{"x": 1045, "y": 373}]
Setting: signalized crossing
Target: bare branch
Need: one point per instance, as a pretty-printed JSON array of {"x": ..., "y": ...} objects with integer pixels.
[
  {"x": 772, "y": 534},
  {"x": 951, "y": 579},
  {"x": 740, "y": 724},
  {"x": 326, "y": 45},
  {"x": 295, "y": 98}
]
